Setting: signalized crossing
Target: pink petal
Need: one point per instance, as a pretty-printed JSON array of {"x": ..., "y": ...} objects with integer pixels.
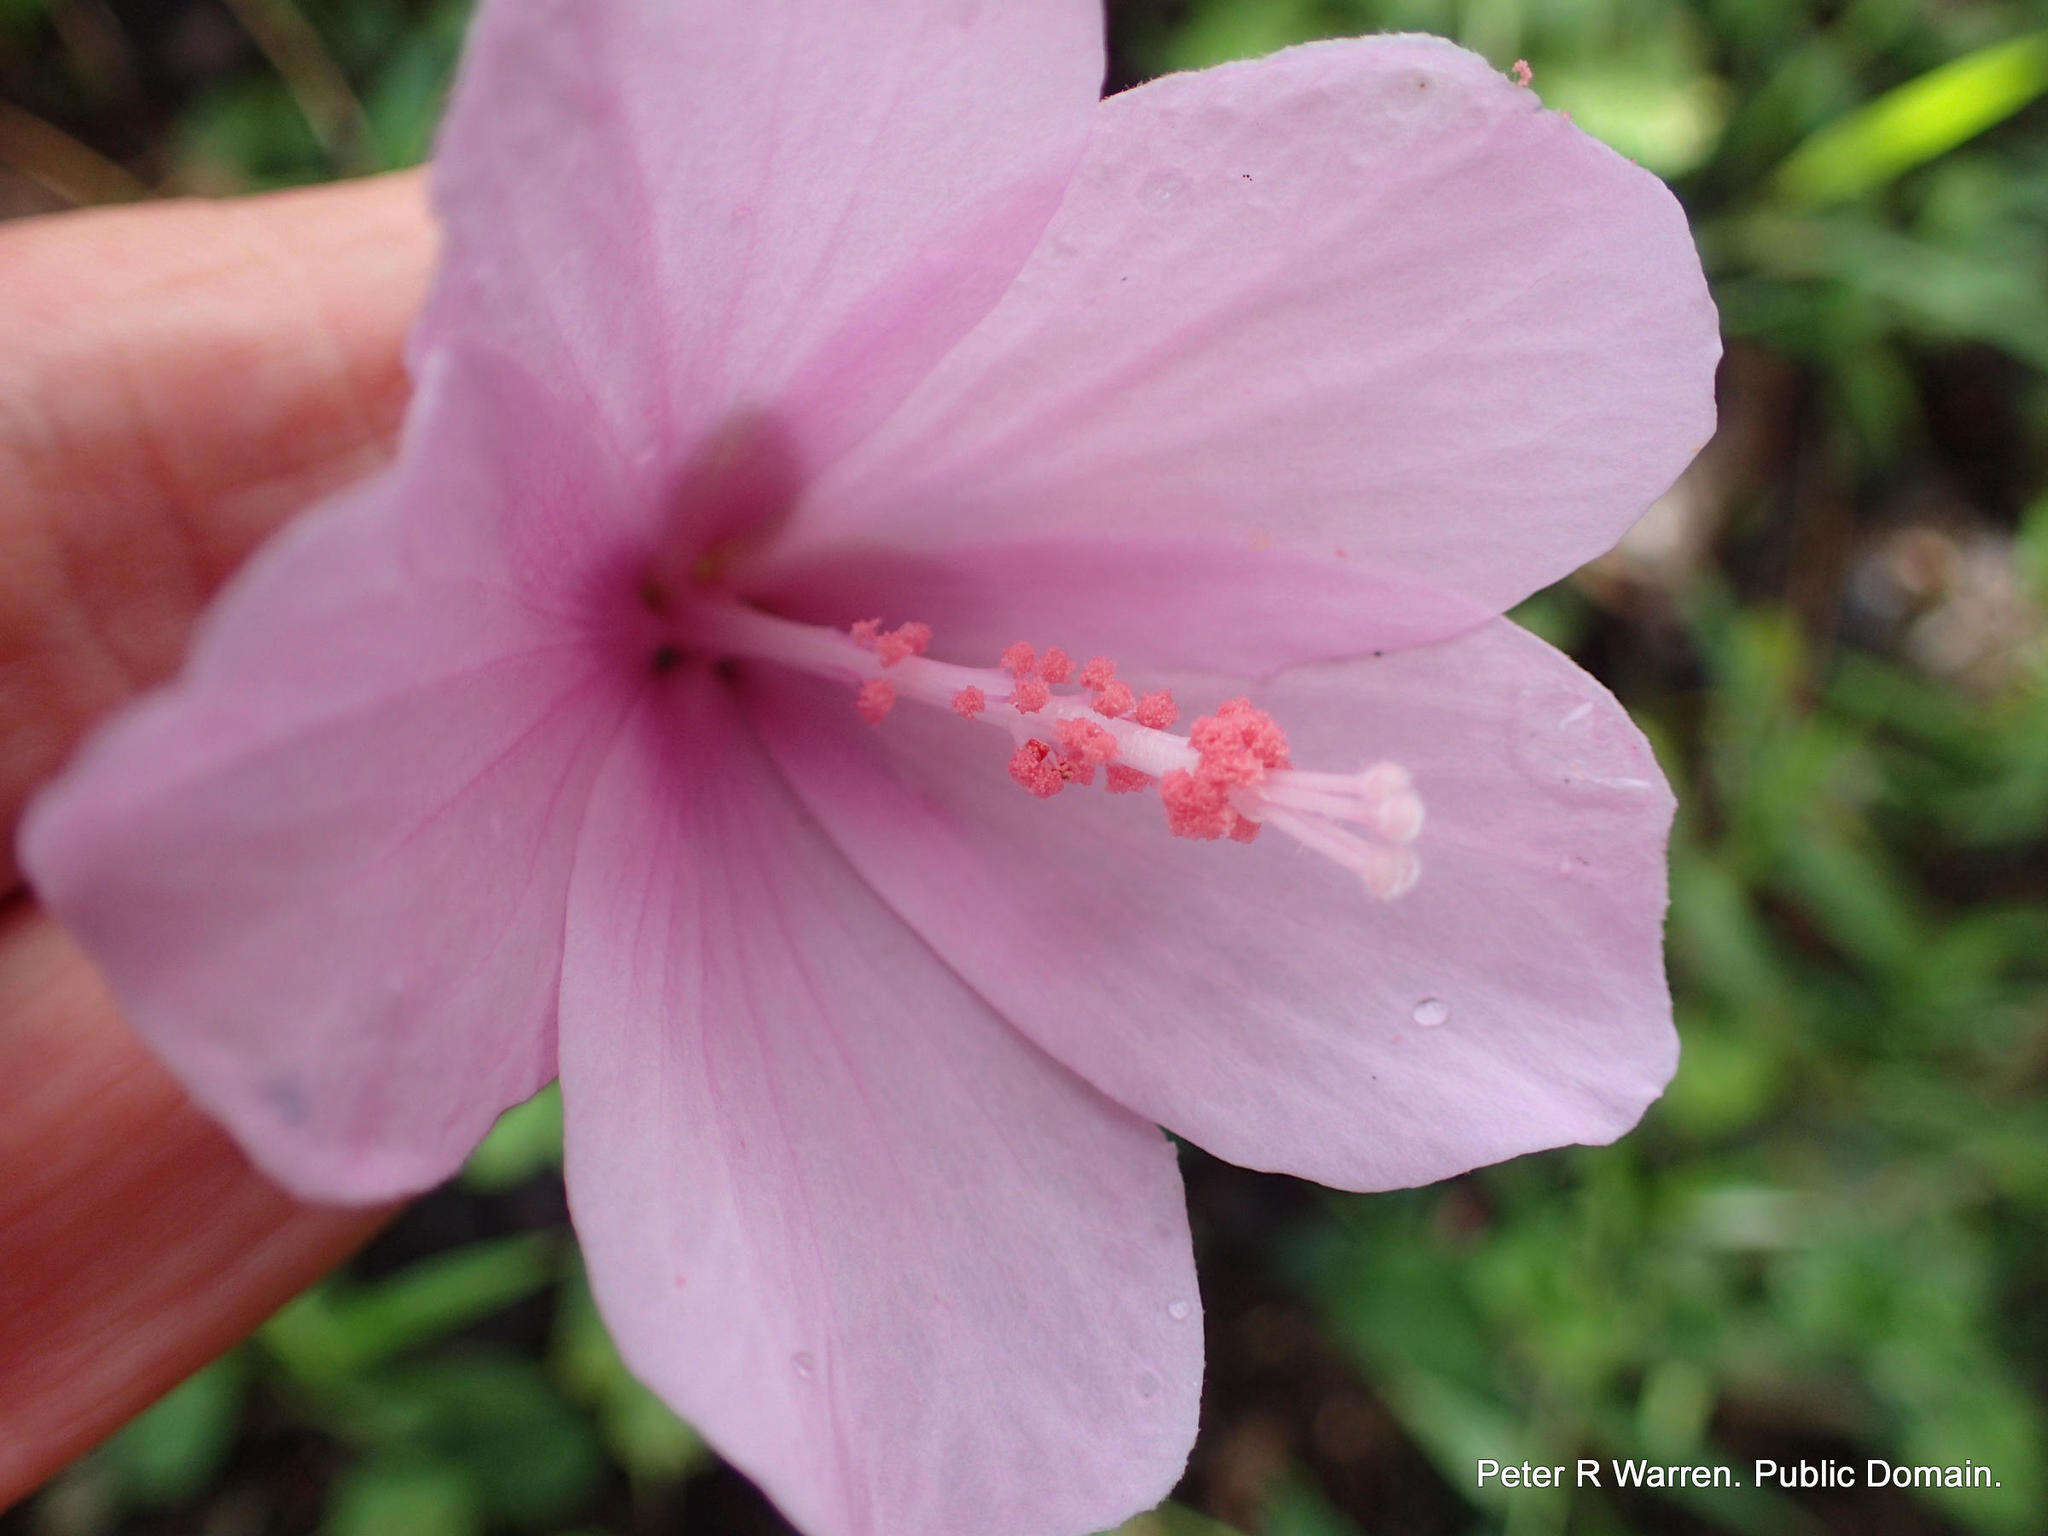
[
  {"x": 900, "y": 1267},
  {"x": 1255, "y": 999},
  {"x": 1363, "y": 303},
  {"x": 705, "y": 217},
  {"x": 1150, "y": 602},
  {"x": 325, "y": 871}
]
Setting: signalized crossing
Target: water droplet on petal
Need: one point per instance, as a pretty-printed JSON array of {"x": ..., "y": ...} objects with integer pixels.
[
  {"x": 1180, "y": 1311},
  {"x": 1149, "y": 1384},
  {"x": 1571, "y": 749},
  {"x": 1430, "y": 1012},
  {"x": 805, "y": 1364}
]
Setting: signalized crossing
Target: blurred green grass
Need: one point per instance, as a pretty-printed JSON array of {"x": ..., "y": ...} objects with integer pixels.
[{"x": 1827, "y": 1239}]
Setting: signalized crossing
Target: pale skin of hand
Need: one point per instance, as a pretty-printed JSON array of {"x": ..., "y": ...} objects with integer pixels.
[{"x": 175, "y": 380}]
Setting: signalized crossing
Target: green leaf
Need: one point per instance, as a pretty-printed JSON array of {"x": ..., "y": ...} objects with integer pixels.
[
  {"x": 1217, "y": 34},
  {"x": 1559, "y": 613},
  {"x": 526, "y": 1140},
  {"x": 1457, "y": 1427},
  {"x": 403, "y": 1498},
  {"x": 342, "y": 1328},
  {"x": 20, "y": 15},
  {"x": 2030, "y": 546},
  {"x": 1173, "y": 1520},
  {"x": 1972, "y": 1412},
  {"x": 531, "y": 1459},
  {"x": 174, "y": 1449},
  {"x": 1917, "y": 122},
  {"x": 247, "y": 131},
  {"x": 1297, "y": 1509},
  {"x": 404, "y": 101}
]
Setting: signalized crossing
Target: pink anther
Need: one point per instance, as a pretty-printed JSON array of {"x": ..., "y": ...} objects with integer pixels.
[
  {"x": 1238, "y": 743},
  {"x": 874, "y": 701},
  {"x": 1019, "y": 660},
  {"x": 1115, "y": 699},
  {"x": 1035, "y": 768},
  {"x": 904, "y": 640},
  {"x": 1156, "y": 710},
  {"x": 1099, "y": 673},
  {"x": 1120, "y": 780},
  {"x": 1086, "y": 743},
  {"x": 1196, "y": 807},
  {"x": 969, "y": 702},
  {"x": 1029, "y": 696},
  {"x": 1056, "y": 666}
]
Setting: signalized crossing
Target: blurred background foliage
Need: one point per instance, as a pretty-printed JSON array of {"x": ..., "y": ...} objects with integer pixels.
[{"x": 1827, "y": 1241}]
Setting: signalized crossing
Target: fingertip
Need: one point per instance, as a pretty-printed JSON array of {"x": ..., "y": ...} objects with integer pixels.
[{"x": 136, "y": 1242}]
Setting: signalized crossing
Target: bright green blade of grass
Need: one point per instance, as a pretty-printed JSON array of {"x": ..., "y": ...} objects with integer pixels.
[{"x": 1917, "y": 122}]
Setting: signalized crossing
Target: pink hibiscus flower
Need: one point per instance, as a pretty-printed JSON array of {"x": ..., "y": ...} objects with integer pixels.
[{"x": 568, "y": 746}]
